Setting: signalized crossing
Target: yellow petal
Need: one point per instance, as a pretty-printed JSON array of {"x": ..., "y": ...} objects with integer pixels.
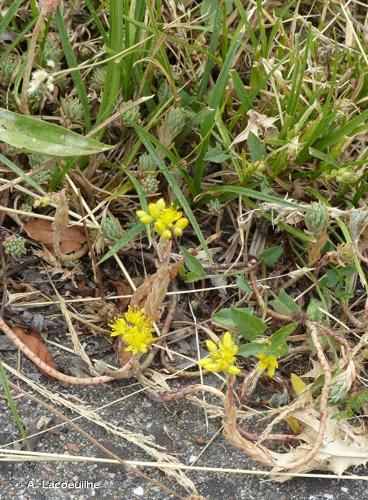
[
  {"x": 143, "y": 217},
  {"x": 182, "y": 223},
  {"x": 298, "y": 384},
  {"x": 211, "y": 346},
  {"x": 160, "y": 227},
  {"x": 178, "y": 232},
  {"x": 161, "y": 204},
  {"x": 227, "y": 340},
  {"x": 167, "y": 234},
  {"x": 154, "y": 210},
  {"x": 233, "y": 370}
]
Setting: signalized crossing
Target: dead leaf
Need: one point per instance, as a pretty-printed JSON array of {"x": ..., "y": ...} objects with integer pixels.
[
  {"x": 343, "y": 445},
  {"x": 123, "y": 355},
  {"x": 72, "y": 238},
  {"x": 315, "y": 248},
  {"x": 123, "y": 288},
  {"x": 260, "y": 125},
  {"x": 35, "y": 343},
  {"x": 151, "y": 294}
]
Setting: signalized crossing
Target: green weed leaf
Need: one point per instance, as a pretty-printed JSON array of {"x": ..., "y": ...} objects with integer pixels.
[
  {"x": 38, "y": 136},
  {"x": 284, "y": 304}
]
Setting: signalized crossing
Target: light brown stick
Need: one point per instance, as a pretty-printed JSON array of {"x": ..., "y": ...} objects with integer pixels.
[{"x": 124, "y": 372}]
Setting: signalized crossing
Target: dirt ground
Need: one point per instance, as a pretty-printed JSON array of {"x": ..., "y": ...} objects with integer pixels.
[{"x": 180, "y": 427}]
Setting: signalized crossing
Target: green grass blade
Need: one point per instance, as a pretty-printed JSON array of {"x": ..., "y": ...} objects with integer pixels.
[
  {"x": 18, "y": 171},
  {"x": 113, "y": 72},
  {"x": 9, "y": 14},
  {"x": 256, "y": 195},
  {"x": 215, "y": 102},
  {"x": 13, "y": 408},
  {"x": 97, "y": 21}
]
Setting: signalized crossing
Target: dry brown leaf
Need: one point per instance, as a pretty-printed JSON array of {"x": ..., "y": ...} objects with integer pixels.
[
  {"x": 315, "y": 248},
  {"x": 35, "y": 343},
  {"x": 123, "y": 355},
  {"x": 343, "y": 445},
  {"x": 72, "y": 238},
  {"x": 123, "y": 288}
]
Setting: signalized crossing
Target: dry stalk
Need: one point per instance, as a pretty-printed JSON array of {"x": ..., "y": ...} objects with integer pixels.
[
  {"x": 260, "y": 301},
  {"x": 125, "y": 372}
]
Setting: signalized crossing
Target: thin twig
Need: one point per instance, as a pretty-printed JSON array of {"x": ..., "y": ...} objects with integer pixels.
[{"x": 125, "y": 372}]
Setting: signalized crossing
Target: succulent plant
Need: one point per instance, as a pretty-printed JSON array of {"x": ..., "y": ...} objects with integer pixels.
[
  {"x": 72, "y": 108},
  {"x": 15, "y": 246},
  {"x": 214, "y": 207},
  {"x": 131, "y": 115},
  {"x": 150, "y": 184},
  {"x": 98, "y": 78},
  {"x": 8, "y": 70},
  {"x": 111, "y": 228},
  {"x": 36, "y": 159},
  {"x": 52, "y": 53},
  {"x": 36, "y": 99},
  {"x": 172, "y": 125},
  {"x": 316, "y": 220},
  {"x": 146, "y": 163}
]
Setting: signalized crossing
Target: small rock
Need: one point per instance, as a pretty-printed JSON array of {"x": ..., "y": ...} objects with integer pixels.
[{"x": 139, "y": 491}]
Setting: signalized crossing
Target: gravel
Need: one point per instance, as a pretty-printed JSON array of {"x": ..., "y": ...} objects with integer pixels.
[{"x": 180, "y": 427}]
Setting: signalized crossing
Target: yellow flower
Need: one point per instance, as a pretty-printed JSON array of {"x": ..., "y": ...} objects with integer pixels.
[
  {"x": 136, "y": 330},
  {"x": 137, "y": 317},
  {"x": 222, "y": 356},
  {"x": 167, "y": 219},
  {"x": 138, "y": 339},
  {"x": 267, "y": 362}
]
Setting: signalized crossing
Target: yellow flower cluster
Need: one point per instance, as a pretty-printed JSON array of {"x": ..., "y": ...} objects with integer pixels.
[
  {"x": 167, "y": 219},
  {"x": 136, "y": 329},
  {"x": 267, "y": 362},
  {"x": 222, "y": 356}
]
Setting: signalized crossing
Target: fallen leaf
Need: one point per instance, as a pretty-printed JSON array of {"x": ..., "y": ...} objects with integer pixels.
[
  {"x": 72, "y": 238},
  {"x": 343, "y": 445},
  {"x": 259, "y": 125},
  {"x": 315, "y": 248},
  {"x": 123, "y": 288},
  {"x": 35, "y": 343},
  {"x": 123, "y": 355}
]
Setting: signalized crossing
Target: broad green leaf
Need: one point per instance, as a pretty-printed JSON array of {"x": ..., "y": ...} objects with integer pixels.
[
  {"x": 242, "y": 283},
  {"x": 216, "y": 155},
  {"x": 255, "y": 348},
  {"x": 39, "y": 136},
  {"x": 224, "y": 317},
  {"x": 192, "y": 263},
  {"x": 278, "y": 339},
  {"x": 313, "y": 311},
  {"x": 284, "y": 304},
  {"x": 248, "y": 325},
  {"x": 271, "y": 255},
  {"x": 191, "y": 277},
  {"x": 256, "y": 148}
]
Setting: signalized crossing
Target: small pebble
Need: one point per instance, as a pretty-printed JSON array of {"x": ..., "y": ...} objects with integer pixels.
[{"x": 139, "y": 491}]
